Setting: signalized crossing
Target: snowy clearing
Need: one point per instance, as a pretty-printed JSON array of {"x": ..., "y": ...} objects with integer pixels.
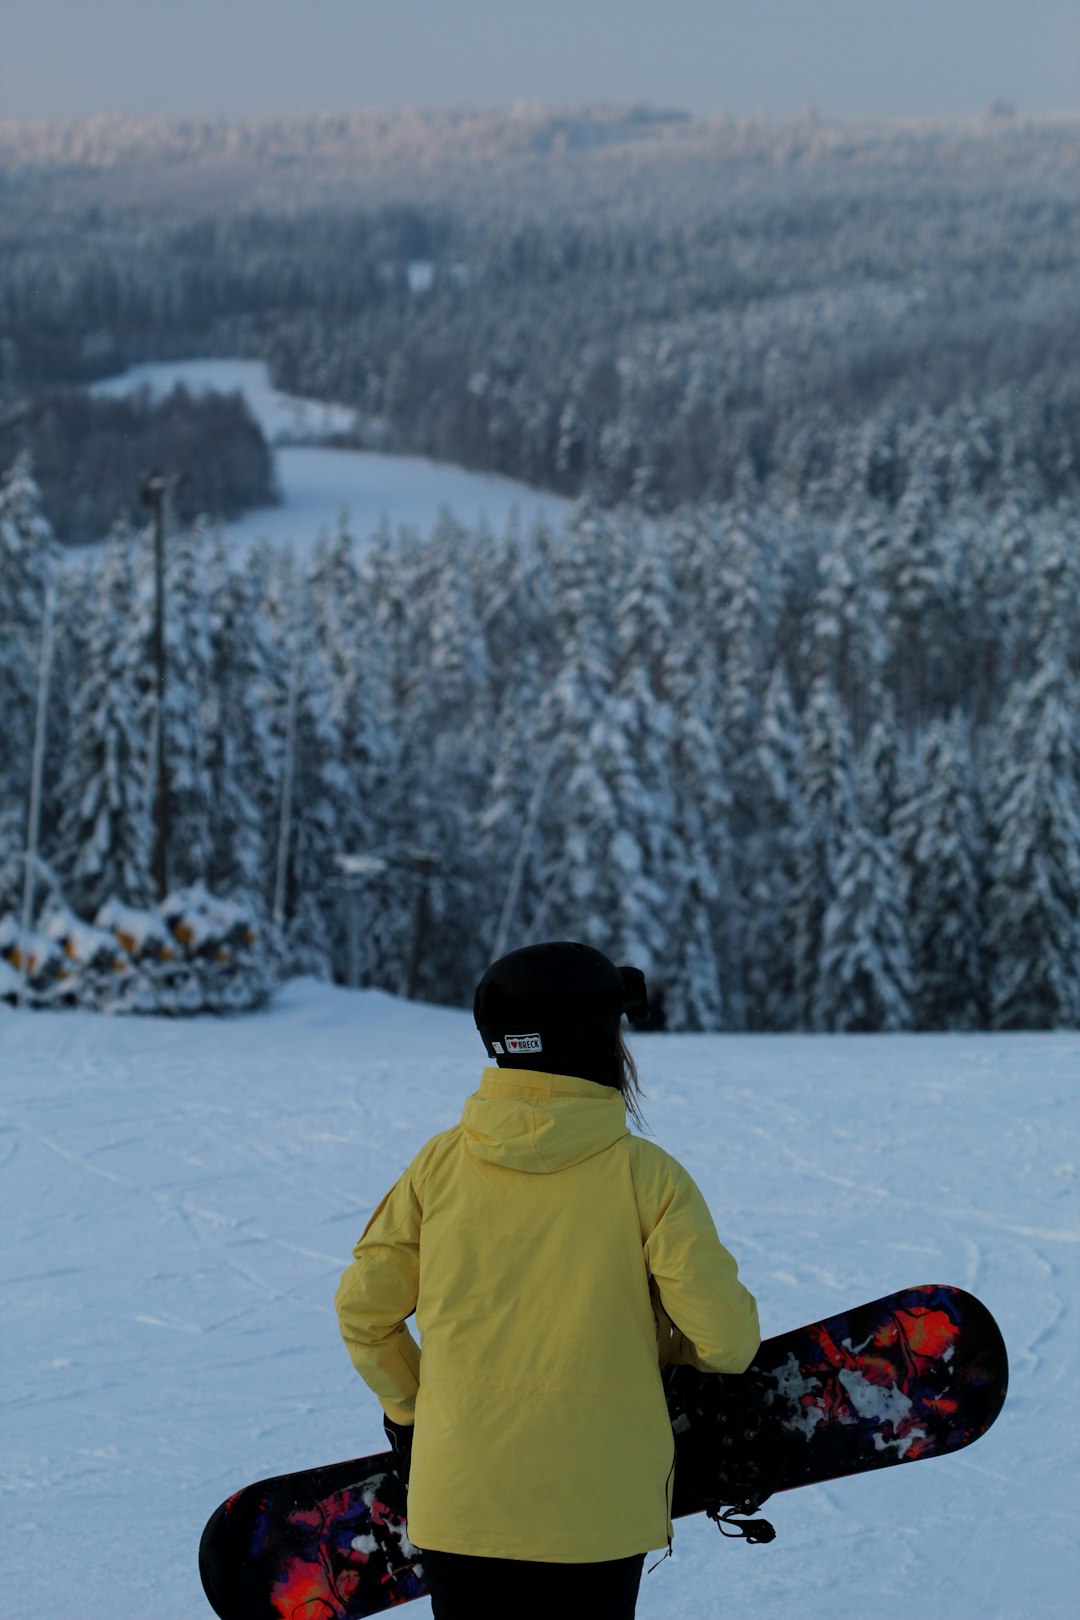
[
  {"x": 317, "y": 484},
  {"x": 181, "y": 1197}
]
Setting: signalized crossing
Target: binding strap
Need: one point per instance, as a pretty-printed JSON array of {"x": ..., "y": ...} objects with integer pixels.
[{"x": 757, "y": 1530}]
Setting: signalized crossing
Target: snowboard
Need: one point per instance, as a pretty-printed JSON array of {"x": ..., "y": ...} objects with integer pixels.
[{"x": 916, "y": 1374}]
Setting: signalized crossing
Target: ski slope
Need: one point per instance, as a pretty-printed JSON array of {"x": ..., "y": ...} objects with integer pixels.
[{"x": 180, "y": 1197}]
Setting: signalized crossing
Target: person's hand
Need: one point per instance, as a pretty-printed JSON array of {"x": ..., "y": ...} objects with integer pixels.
[{"x": 400, "y": 1436}]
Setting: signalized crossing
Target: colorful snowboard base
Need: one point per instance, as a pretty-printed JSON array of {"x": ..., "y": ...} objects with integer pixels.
[{"x": 917, "y": 1374}]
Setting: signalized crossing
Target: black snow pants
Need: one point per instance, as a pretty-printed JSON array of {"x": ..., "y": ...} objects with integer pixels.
[{"x": 464, "y": 1588}]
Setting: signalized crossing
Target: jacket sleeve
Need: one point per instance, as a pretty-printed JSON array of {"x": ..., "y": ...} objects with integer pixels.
[
  {"x": 376, "y": 1294},
  {"x": 708, "y": 1318}
]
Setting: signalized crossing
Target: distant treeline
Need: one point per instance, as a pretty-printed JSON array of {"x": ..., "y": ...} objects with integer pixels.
[
  {"x": 809, "y": 774},
  {"x": 645, "y": 309},
  {"x": 90, "y": 454}
]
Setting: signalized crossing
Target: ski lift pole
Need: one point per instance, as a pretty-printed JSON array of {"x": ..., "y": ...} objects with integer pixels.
[
  {"x": 286, "y": 795},
  {"x": 352, "y": 926},
  {"x": 423, "y": 864},
  {"x": 155, "y": 492},
  {"x": 37, "y": 772}
]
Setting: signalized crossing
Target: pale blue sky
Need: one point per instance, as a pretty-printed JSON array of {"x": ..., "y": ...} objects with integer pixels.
[{"x": 70, "y": 58}]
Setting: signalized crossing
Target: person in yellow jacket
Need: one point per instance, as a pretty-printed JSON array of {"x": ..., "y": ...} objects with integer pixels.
[{"x": 555, "y": 1263}]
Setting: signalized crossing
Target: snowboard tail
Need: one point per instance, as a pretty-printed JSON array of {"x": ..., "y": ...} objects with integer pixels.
[{"x": 917, "y": 1374}]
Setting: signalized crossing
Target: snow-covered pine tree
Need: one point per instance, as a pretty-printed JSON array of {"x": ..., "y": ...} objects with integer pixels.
[
  {"x": 1033, "y": 901},
  {"x": 910, "y": 570},
  {"x": 364, "y": 611},
  {"x": 740, "y": 621},
  {"x": 578, "y": 824},
  {"x": 515, "y": 602},
  {"x": 74, "y": 585},
  {"x": 334, "y": 583},
  {"x": 509, "y": 839},
  {"x": 12, "y": 843},
  {"x": 311, "y": 783},
  {"x": 27, "y": 562},
  {"x": 776, "y": 854},
  {"x": 845, "y": 640},
  {"x": 1053, "y": 623},
  {"x": 621, "y": 808},
  {"x": 188, "y": 677},
  {"x": 875, "y": 462},
  {"x": 714, "y": 672},
  {"x": 447, "y": 761},
  {"x": 864, "y": 981},
  {"x": 976, "y": 630},
  {"x": 1008, "y": 581},
  {"x": 881, "y": 772},
  {"x": 239, "y": 742},
  {"x": 827, "y": 792},
  {"x": 747, "y": 613},
  {"x": 647, "y": 611},
  {"x": 969, "y": 455},
  {"x": 389, "y": 650},
  {"x": 108, "y": 784},
  {"x": 700, "y": 910},
  {"x": 350, "y": 640},
  {"x": 941, "y": 839},
  {"x": 667, "y": 665}
]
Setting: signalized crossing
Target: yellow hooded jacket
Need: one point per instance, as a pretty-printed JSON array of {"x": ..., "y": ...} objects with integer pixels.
[{"x": 546, "y": 1252}]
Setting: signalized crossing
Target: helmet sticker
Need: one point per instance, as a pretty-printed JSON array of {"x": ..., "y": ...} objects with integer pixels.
[{"x": 523, "y": 1043}]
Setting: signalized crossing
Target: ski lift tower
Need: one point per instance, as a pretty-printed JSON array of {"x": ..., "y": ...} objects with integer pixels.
[{"x": 356, "y": 871}]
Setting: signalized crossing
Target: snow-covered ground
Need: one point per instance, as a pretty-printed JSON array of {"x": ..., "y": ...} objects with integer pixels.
[
  {"x": 317, "y": 483},
  {"x": 179, "y": 1198}
]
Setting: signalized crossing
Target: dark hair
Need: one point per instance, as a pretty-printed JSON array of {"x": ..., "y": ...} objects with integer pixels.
[{"x": 627, "y": 1080}]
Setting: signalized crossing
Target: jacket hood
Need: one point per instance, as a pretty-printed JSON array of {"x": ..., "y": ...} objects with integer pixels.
[{"x": 526, "y": 1120}]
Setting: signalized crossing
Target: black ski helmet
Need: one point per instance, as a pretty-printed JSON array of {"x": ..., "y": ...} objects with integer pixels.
[{"x": 556, "y": 1007}]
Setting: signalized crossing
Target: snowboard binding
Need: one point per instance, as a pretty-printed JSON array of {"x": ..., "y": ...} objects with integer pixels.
[{"x": 729, "y": 1450}]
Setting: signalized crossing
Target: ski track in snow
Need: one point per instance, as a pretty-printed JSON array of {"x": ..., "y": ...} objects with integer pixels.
[{"x": 180, "y": 1198}]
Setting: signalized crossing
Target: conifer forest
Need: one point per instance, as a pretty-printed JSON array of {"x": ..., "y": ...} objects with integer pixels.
[{"x": 787, "y": 713}]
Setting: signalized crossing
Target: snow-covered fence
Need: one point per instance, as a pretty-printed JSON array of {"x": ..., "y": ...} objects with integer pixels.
[{"x": 193, "y": 953}]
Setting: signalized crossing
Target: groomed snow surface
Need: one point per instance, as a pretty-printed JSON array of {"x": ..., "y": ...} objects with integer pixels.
[{"x": 180, "y": 1197}]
